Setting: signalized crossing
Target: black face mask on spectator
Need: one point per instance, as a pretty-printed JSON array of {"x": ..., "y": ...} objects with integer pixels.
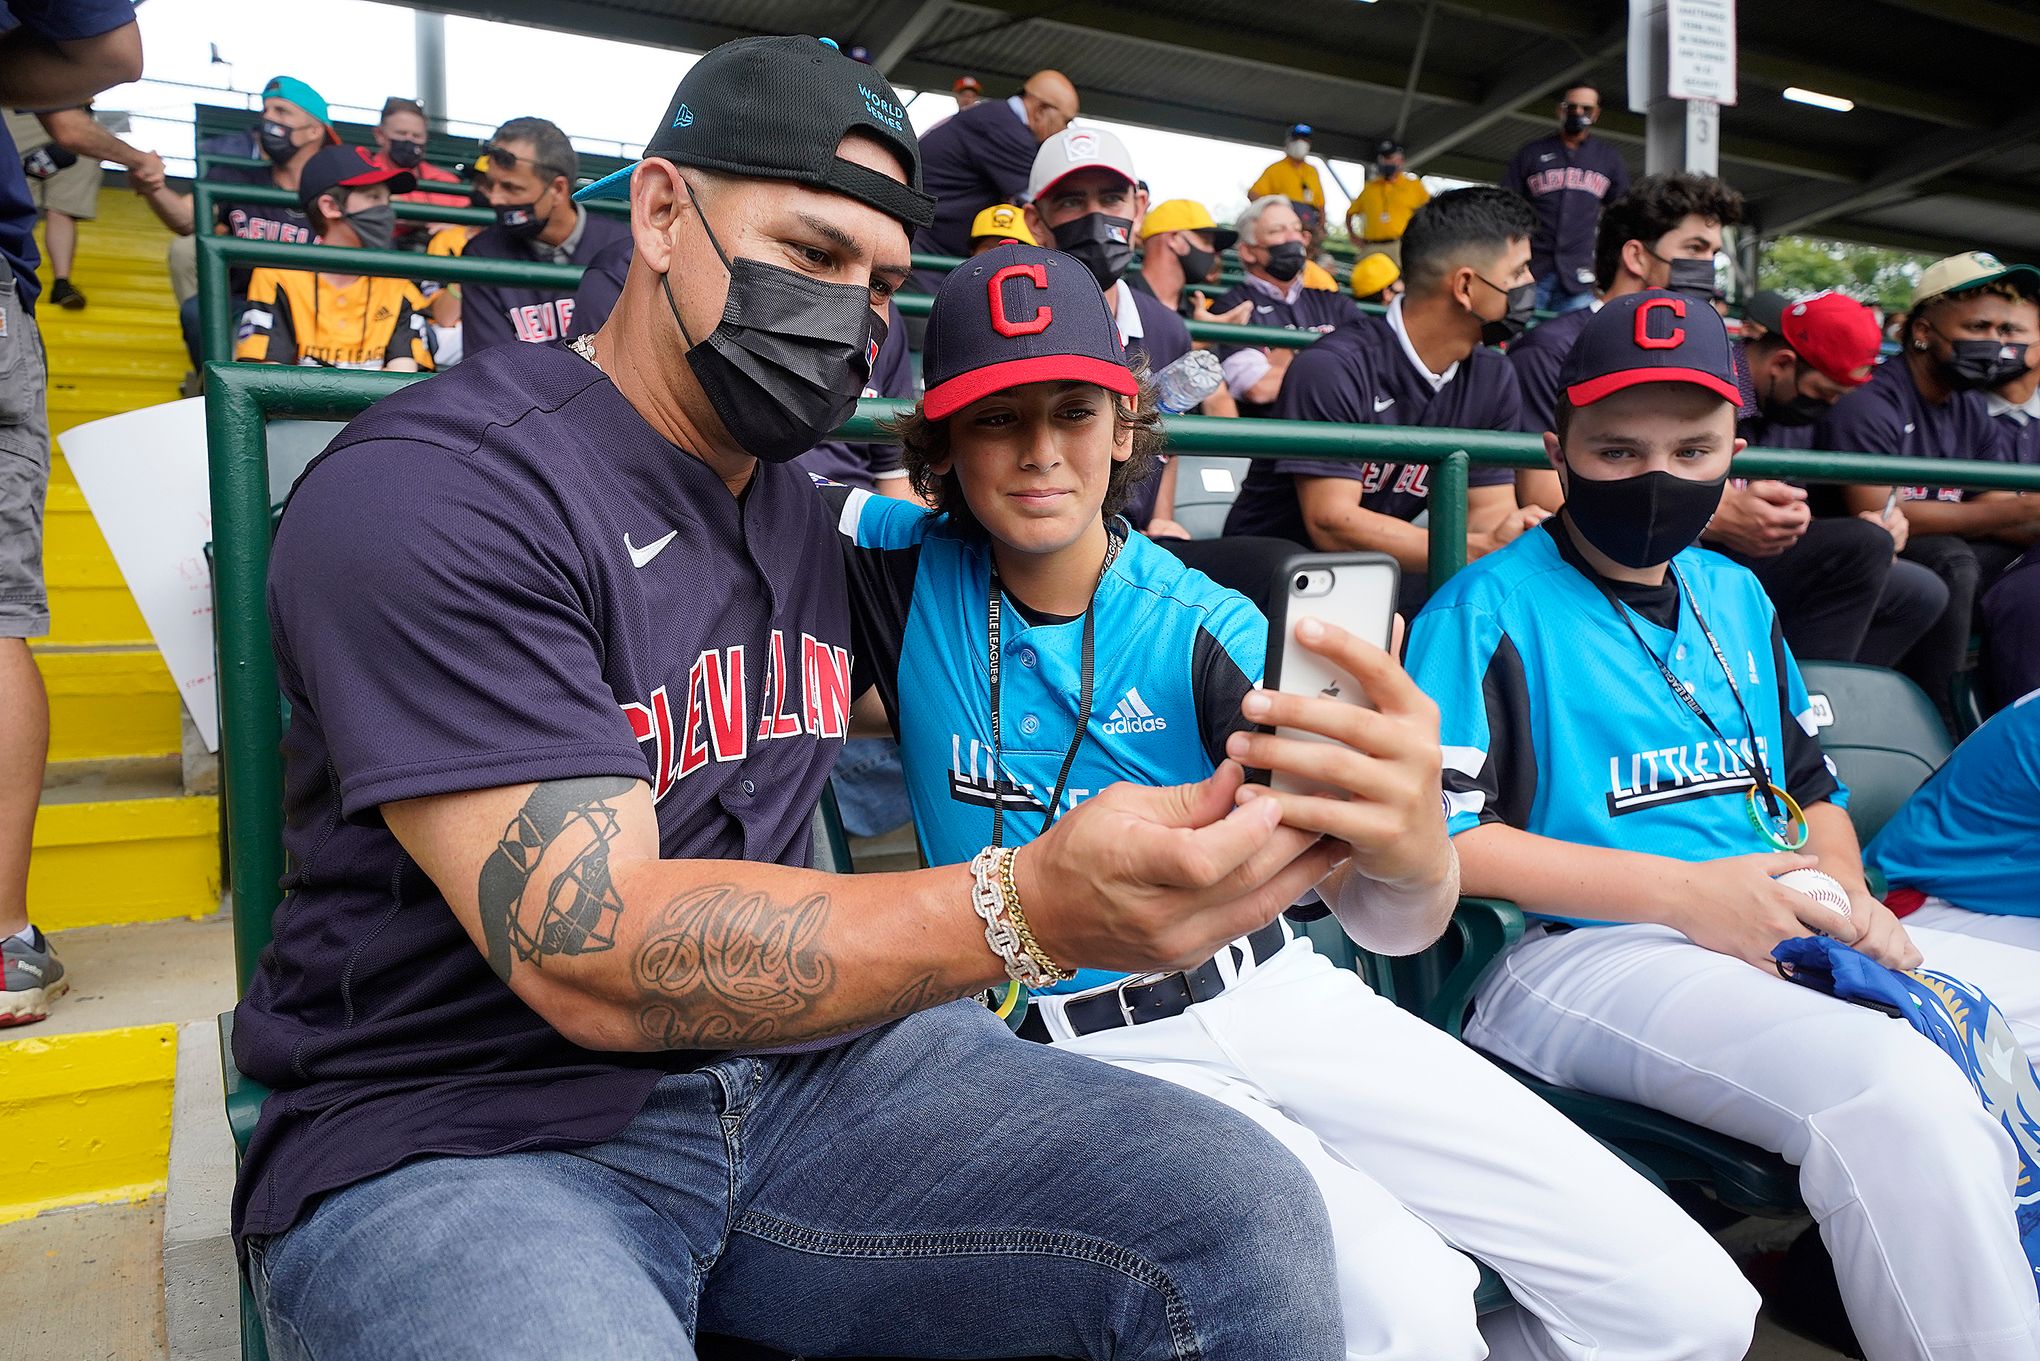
[
  {"x": 1797, "y": 409},
  {"x": 376, "y": 225},
  {"x": 521, "y": 221},
  {"x": 1197, "y": 263},
  {"x": 1981, "y": 363},
  {"x": 1100, "y": 243},
  {"x": 1522, "y": 302},
  {"x": 1694, "y": 278},
  {"x": 406, "y": 155},
  {"x": 1644, "y": 520},
  {"x": 279, "y": 143},
  {"x": 1285, "y": 261},
  {"x": 1577, "y": 122}
]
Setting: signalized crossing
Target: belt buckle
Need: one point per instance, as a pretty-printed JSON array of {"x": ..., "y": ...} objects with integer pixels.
[{"x": 1119, "y": 991}]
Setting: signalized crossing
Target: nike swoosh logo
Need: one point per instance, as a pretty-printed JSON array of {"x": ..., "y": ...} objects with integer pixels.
[
  {"x": 1383, "y": 403},
  {"x": 1265, "y": 307},
  {"x": 640, "y": 556}
]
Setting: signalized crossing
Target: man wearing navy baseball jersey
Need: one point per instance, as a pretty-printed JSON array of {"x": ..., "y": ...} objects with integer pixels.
[
  {"x": 1630, "y": 755},
  {"x": 1567, "y": 177},
  {"x": 1273, "y": 249},
  {"x": 1032, "y": 651},
  {"x": 2010, "y": 609},
  {"x": 528, "y": 171},
  {"x": 1928, "y": 402},
  {"x": 985, "y": 154},
  {"x": 569, "y": 1049},
  {"x": 1466, "y": 257}
]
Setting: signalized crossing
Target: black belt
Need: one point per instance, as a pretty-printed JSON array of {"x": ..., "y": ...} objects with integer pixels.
[{"x": 1137, "y": 1003}]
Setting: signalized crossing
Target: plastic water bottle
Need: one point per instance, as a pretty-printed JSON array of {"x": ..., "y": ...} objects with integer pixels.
[{"x": 1181, "y": 386}]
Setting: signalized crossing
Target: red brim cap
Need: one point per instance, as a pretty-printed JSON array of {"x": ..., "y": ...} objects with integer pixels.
[
  {"x": 1654, "y": 336},
  {"x": 946, "y": 399},
  {"x": 1594, "y": 389}
]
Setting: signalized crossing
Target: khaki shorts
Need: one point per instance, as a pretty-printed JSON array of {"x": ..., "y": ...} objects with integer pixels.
[
  {"x": 72, "y": 191},
  {"x": 24, "y": 472}
]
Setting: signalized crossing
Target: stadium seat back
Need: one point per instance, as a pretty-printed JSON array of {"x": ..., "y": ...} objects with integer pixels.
[
  {"x": 1881, "y": 732},
  {"x": 1206, "y": 486}
]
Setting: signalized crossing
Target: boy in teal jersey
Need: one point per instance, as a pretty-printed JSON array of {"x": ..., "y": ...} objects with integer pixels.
[
  {"x": 1627, "y": 747},
  {"x": 1104, "y": 659}
]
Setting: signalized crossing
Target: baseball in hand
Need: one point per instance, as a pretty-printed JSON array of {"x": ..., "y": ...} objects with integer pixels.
[{"x": 1822, "y": 888}]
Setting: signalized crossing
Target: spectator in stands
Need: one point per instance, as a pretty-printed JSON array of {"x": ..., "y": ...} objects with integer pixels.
[
  {"x": 509, "y": 1132},
  {"x": 1296, "y": 179},
  {"x": 983, "y": 156},
  {"x": 1567, "y": 177},
  {"x": 1391, "y": 1116},
  {"x": 1376, "y": 219},
  {"x": 530, "y": 169},
  {"x": 400, "y": 142},
  {"x": 295, "y": 124},
  {"x": 1377, "y": 280},
  {"x": 1612, "y": 767},
  {"x": 343, "y": 321},
  {"x": 1180, "y": 245},
  {"x": 996, "y": 226},
  {"x": 1761, "y": 313},
  {"x": 1829, "y": 578},
  {"x": 1929, "y": 403},
  {"x": 63, "y": 54},
  {"x": 61, "y": 151},
  {"x": 1466, "y": 259},
  {"x": 1271, "y": 246},
  {"x": 2010, "y": 608},
  {"x": 967, "y": 92}
]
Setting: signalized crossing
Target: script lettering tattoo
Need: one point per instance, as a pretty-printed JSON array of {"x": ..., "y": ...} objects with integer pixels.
[
  {"x": 546, "y": 889},
  {"x": 727, "y": 967},
  {"x": 921, "y": 994}
]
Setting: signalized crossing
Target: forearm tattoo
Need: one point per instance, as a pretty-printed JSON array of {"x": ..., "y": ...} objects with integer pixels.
[
  {"x": 729, "y": 967},
  {"x": 546, "y": 890}
]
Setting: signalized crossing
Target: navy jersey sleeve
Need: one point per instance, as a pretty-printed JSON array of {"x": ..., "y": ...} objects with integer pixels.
[
  {"x": 1536, "y": 368},
  {"x": 72, "y": 20},
  {"x": 1226, "y": 662},
  {"x": 1808, "y": 776},
  {"x": 1501, "y": 408},
  {"x": 1461, "y": 657},
  {"x": 1324, "y": 384},
  {"x": 1863, "y": 422},
  {"x": 1514, "y": 176},
  {"x": 432, "y": 615},
  {"x": 881, "y": 539},
  {"x": 601, "y": 286}
]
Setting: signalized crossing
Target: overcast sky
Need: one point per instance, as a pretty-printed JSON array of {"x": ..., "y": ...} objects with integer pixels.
[{"x": 607, "y": 95}]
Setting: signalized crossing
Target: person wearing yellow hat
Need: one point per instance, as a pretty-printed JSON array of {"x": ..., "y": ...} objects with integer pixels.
[
  {"x": 1180, "y": 246},
  {"x": 1377, "y": 279},
  {"x": 999, "y": 225}
]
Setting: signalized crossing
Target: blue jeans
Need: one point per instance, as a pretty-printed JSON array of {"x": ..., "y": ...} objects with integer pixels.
[
  {"x": 1551, "y": 299},
  {"x": 937, "y": 1188},
  {"x": 871, "y": 786}
]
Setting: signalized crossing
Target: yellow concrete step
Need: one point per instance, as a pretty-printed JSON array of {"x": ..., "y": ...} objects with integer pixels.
[
  {"x": 87, "y": 1117},
  {"x": 110, "y": 703},
  {"x": 100, "y": 861},
  {"x": 89, "y": 600}
]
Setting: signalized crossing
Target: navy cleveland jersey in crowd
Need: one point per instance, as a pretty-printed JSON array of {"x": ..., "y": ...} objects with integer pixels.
[
  {"x": 491, "y": 314},
  {"x": 1887, "y": 415},
  {"x": 1554, "y": 722},
  {"x": 1536, "y": 357},
  {"x": 602, "y": 285},
  {"x": 1175, "y": 653},
  {"x": 1313, "y": 309},
  {"x": 980, "y": 157},
  {"x": 892, "y": 375},
  {"x": 1154, "y": 337},
  {"x": 500, "y": 576},
  {"x": 2020, "y": 426},
  {"x": 1362, "y": 375},
  {"x": 1567, "y": 187}
]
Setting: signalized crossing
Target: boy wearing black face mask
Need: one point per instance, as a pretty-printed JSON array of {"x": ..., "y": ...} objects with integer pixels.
[
  {"x": 1630, "y": 750},
  {"x": 1929, "y": 403},
  {"x": 1466, "y": 261},
  {"x": 529, "y": 168},
  {"x": 346, "y": 321}
]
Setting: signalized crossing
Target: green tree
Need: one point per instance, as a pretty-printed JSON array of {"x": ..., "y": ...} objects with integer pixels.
[{"x": 1799, "y": 265}]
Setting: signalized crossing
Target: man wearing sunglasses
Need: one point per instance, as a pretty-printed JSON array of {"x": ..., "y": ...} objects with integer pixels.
[
  {"x": 527, "y": 174},
  {"x": 1567, "y": 177}
]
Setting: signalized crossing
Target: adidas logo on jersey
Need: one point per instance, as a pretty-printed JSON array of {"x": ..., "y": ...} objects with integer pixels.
[{"x": 1133, "y": 715}]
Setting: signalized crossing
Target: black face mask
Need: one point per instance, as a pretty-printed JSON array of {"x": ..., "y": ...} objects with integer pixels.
[
  {"x": 790, "y": 357},
  {"x": 1644, "y": 520},
  {"x": 376, "y": 226},
  {"x": 1383, "y": 170},
  {"x": 521, "y": 221},
  {"x": 1100, "y": 243},
  {"x": 406, "y": 155},
  {"x": 1982, "y": 363},
  {"x": 1285, "y": 261},
  {"x": 279, "y": 143},
  {"x": 1522, "y": 300},
  {"x": 1197, "y": 263},
  {"x": 1798, "y": 409},
  {"x": 1694, "y": 278},
  {"x": 1576, "y": 123}
]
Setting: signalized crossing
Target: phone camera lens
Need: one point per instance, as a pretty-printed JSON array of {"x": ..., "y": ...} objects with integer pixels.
[{"x": 1302, "y": 581}]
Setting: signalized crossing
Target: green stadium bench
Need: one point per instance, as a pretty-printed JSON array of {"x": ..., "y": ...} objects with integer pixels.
[
  {"x": 1881, "y": 732},
  {"x": 1206, "y": 486}
]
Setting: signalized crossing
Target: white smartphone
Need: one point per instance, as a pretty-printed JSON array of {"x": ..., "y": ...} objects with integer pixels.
[{"x": 1355, "y": 591}]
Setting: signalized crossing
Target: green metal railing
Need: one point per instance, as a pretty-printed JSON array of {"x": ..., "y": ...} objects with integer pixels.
[{"x": 242, "y": 399}]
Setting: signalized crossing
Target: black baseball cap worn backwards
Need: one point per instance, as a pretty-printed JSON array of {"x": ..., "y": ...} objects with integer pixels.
[
  {"x": 774, "y": 108},
  {"x": 1018, "y": 314},
  {"x": 1655, "y": 336}
]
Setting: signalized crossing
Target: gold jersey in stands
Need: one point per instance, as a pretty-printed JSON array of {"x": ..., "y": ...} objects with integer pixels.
[
  {"x": 295, "y": 316},
  {"x": 1296, "y": 181}
]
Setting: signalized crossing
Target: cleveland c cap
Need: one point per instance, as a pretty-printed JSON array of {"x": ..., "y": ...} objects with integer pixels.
[
  {"x": 1014, "y": 315},
  {"x": 1837, "y": 336},
  {"x": 774, "y": 108},
  {"x": 348, "y": 167},
  {"x": 1655, "y": 336}
]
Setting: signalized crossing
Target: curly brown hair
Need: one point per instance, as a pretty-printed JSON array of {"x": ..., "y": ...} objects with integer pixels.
[{"x": 925, "y": 443}]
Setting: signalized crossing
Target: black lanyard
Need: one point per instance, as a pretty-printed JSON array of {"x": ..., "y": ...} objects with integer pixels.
[
  {"x": 993, "y": 591},
  {"x": 1760, "y": 773}
]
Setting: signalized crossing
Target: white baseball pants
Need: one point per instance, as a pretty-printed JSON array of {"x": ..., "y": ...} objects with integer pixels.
[
  {"x": 1425, "y": 1151},
  {"x": 1910, "y": 1180}
]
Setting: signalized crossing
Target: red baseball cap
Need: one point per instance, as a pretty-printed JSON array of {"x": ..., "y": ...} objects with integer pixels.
[
  {"x": 1836, "y": 335},
  {"x": 1014, "y": 315},
  {"x": 1655, "y": 336},
  {"x": 348, "y": 167}
]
